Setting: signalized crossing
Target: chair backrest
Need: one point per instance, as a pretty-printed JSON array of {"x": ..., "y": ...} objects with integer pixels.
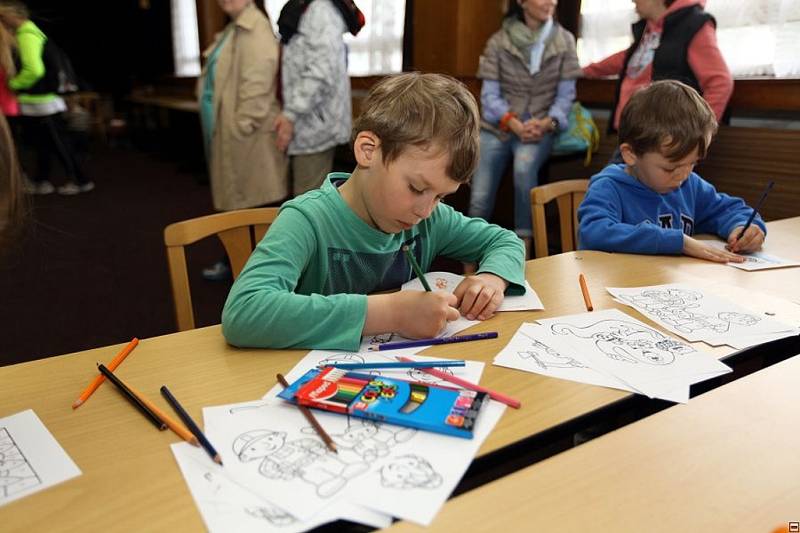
[
  {"x": 240, "y": 231},
  {"x": 568, "y": 195}
]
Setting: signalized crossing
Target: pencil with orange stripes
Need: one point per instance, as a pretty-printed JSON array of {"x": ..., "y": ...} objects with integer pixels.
[{"x": 100, "y": 377}]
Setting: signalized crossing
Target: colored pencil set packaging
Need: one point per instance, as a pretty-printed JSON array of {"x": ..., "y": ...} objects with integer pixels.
[{"x": 391, "y": 400}]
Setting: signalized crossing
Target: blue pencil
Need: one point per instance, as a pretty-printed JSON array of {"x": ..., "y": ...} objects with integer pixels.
[
  {"x": 399, "y": 364},
  {"x": 755, "y": 209},
  {"x": 191, "y": 424},
  {"x": 438, "y": 340}
]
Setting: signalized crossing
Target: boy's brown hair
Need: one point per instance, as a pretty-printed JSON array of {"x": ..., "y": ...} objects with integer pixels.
[
  {"x": 669, "y": 113},
  {"x": 424, "y": 110}
]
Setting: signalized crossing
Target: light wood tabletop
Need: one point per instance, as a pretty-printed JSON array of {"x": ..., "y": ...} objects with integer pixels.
[
  {"x": 726, "y": 461},
  {"x": 130, "y": 480}
]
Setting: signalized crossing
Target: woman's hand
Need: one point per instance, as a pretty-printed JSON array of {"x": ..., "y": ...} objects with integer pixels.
[{"x": 285, "y": 131}]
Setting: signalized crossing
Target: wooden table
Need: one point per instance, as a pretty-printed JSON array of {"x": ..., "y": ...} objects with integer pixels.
[
  {"x": 726, "y": 461},
  {"x": 130, "y": 480}
]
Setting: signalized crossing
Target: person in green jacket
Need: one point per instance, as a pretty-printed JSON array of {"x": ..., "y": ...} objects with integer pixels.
[
  {"x": 41, "y": 110},
  {"x": 310, "y": 282}
]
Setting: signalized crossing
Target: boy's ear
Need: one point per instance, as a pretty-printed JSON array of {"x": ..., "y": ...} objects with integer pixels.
[
  {"x": 628, "y": 155},
  {"x": 366, "y": 149}
]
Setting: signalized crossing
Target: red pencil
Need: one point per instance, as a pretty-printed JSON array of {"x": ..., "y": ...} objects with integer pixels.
[{"x": 508, "y": 400}]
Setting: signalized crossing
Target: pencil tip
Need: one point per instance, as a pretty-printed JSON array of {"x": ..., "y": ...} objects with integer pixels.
[
  {"x": 218, "y": 459},
  {"x": 77, "y": 403}
]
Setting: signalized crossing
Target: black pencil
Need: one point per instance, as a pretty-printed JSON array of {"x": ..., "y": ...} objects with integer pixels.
[
  {"x": 190, "y": 424},
  {"x": 132, "y": 397},
  {"x": 755, "y": 209},
  {"x": 416, "y": 268}
]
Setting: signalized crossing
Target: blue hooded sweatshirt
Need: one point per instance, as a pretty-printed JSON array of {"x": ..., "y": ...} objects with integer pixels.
[{"x": 621, "y": 214}]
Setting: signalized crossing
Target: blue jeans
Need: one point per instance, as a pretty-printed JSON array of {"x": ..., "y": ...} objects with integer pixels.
[{"x": 528, "y": 159}]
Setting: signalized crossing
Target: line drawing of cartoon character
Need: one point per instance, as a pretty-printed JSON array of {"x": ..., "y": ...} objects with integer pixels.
[
  {"x": 546, "y": 357},
  {"x": 272, "y": 514},
  {"x": 370, "y": 440},
  {"x": 266, "y": 511},
  {"x": 16, "y": 473},
  {"x": 627, "y": 341},
  {"x": 416, "y": 374},
  {"x": 305, "y": 458},
  {"x": 409, "y": 472}
]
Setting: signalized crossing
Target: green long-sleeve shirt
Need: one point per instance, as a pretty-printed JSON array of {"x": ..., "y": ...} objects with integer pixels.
[
  {"x": 305, "y": 284},
  {"x": 30, "y": 42}
]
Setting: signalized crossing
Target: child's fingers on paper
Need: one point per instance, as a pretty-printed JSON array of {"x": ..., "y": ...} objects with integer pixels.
[
  {"x": 491, "y": 307},
  {"x": 483, "y": 298},
  {"x": 452, "y": 314}
]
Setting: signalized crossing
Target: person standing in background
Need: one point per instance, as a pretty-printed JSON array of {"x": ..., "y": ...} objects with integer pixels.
[
  {"x": 8, "y": 100},
  {"x": 673, "y": 40},
  {"x": 41, "y": 110},
  {"x": 12, "y": 203},
  {"x": 237, "y": 90},
  {"x": 317, "y": 112}
]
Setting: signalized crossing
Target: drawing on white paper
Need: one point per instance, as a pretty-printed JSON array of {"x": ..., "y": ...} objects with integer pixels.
[
  {"x": 546, "y": 357},
  {"x": 381, "y": 338},
  {"x": 627, "y": 341},
  {"x": 369, "y": 440},
  {"x": 672, "y": 306},
  {"x": 304, "y": 458},
  {"x": 416, "y": 374},
  {"x": 249, "y": 407},
  {"x": 267, "y": 511},
  {"x": 16, "y": 473},
  {"x": 440, "y": 283},
  {"x": 409, "y": 472},
  {"x": 342, "y": 358}
]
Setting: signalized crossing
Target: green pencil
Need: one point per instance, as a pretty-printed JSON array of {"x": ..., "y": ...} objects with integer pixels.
[{"x": 416, "y": 268}]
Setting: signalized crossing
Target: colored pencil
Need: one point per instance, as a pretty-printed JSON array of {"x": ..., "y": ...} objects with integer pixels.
[
  {"x": 585, "y": 290},
  {"x": 312, "y": 420},
  {"x": 428, "y": 342},
  {"x": 756, "y": 209},
  {"x": 508, "y": 400},
  {"x": 194, "y": 428},
  {"x": 178, "y": 428},
  {"x": 100, "y": 377},
  {"x": 399, "y": 364},
  {"x": 416, "y": 268},
  {"x": 132, "y": 397}
]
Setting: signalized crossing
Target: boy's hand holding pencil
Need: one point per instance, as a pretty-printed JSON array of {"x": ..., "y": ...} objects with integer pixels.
[
  {"x": 421, "y": 315},
  {"x": 751, "y": 241}
]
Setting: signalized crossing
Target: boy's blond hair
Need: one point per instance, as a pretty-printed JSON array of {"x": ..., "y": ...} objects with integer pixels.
[
  {"x": 669, "y": 113},
  {"x": 424, "y": 110}
]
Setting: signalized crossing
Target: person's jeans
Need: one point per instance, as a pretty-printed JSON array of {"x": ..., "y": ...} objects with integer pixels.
[{"x": 528, "y": 159}]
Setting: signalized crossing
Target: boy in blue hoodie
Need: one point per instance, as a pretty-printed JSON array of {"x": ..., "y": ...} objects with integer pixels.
[{"x": 654, "y": 202}]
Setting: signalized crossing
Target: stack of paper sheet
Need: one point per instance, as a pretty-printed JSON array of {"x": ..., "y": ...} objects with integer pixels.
[
  {"x": 696, "y": 315},
  {"x": 278, "y": 475},
  {"x": 611, "y": 349}
]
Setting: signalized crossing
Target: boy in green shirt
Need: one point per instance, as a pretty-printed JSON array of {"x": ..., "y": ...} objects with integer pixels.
[{"x": 306, "y": 285}]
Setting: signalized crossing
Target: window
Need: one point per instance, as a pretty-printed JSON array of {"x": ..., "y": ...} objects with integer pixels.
[
  {"x": 378, "y": 49},
  {"x": 185, "y": 40},
  {"x": 756, "y": 37}
]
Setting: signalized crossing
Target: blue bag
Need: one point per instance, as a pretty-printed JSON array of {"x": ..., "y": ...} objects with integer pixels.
[{"x": 582, "y": 134}]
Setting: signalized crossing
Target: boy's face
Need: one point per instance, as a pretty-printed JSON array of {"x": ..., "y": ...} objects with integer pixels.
[
  {"x": 399, "y": 195},
  {"x": 656, "y": 171}
]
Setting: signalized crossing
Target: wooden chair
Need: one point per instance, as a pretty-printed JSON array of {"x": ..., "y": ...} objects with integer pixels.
[
  {"x": 569, "y": 195},
  {"x": 239, "y": 232}
]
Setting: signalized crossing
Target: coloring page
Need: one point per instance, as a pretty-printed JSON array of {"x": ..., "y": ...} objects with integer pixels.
[
  {"x": 621, "y": 346},
  {"x": 756, "y": 260},
  {"x": 30, "y": 457},
  {"x": 447, "y": 281},
  {"x": 225, "y": 505},
  {"x": 399, "y": 471},
  {"x": 691, "y": 313}
]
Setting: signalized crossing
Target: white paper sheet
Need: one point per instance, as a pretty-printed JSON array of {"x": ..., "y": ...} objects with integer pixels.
[
  {"x": 225, "y": 505},
  {"x": 30, "y": 457},
  {"x": 694, "y": 314},
  {"x": 643, "y": 358},
  {"x": 757, "y": 260},
  {"x": 399, "y": 471},
  {"x": 447, "y": 281}
]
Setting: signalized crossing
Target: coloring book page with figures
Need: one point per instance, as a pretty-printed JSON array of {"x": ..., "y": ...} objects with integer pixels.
[
  {"x": 447, "y": 281},
  {"x": 403, "y": 472},
  {"x": 695, "y": 315},
  {"x": 756, "y": 260},
  {"x": 30, "y": 457},
  {"x": 642, "y": 357},
  {"x": 533, "y": 348},
  {"x": 471, "y": 371},
  {"x": 226, "y": 505}
]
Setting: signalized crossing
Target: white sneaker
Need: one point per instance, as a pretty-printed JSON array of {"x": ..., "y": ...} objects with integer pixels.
[
  {"x": 71, "y": 188},
  {"x": 41, "y": 187}
]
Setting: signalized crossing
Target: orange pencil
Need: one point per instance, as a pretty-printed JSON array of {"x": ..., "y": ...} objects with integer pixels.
[
  {"x": 100, "y": 377},
  {"x": 585, "y": 291},
  {"x": 171, "y": 423}
]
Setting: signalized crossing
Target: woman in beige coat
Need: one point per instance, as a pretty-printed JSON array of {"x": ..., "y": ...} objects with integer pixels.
[{"x": 238, "y": 105}]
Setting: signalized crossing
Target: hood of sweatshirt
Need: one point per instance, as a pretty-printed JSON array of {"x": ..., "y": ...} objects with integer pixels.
[
  {"x": 678, "y": 4},
  {"x": 632, "y": 186}
]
